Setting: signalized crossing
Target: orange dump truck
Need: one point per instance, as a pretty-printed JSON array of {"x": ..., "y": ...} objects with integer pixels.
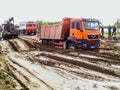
[{"x": 72, "y": 33}]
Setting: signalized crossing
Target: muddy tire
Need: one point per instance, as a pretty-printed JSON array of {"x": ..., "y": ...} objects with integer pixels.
[
  {"x": 51, "y": 43},
  {"x": 26, "y": 32},
  {"x": 72, "y": 46},
  {"x": 45, "y": 42},
  {"x": 34, "y": 33},
  {"x": 12, "y": 36},
  {"x": 3, "y": 36},
  {"x": 97, "y": 47},
  {"x": 16, "y": 36}
]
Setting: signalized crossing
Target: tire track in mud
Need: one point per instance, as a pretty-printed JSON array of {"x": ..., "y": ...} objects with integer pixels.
[
  {"x": 94, "y": 59},
  {"x": 90, "y": 66},
  {"x": 97, "y": 53},
  {"x": 28, "y": 43},
  {"x": 6, "y": 47},
  {"x": 14, "y": 45},
  {"x": 37, "y": 47},
  {"x": 19, "y": 45},
  {"x": 67, "y": 67},
  {"x": 67, "y": 52},
  {"x": 83, "y": 64},
  {"x": 107, "y": 57},
  {"x": 26, "y": 88},
  {"x": 57, "y": 65},
  {"x": 52, "y": 64},
  {"x": 11, "y": 69}
]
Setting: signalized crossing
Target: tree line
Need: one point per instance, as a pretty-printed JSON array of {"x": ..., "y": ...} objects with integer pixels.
[
  {"x": 42, "y": 23},
  {"x": 117, "y": 23}
]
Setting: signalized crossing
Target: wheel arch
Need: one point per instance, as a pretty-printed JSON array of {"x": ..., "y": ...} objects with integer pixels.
[{"x": 71, "y": 40}]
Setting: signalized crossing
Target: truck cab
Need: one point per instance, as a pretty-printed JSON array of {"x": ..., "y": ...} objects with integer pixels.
[{"x": 84, "y": 33}]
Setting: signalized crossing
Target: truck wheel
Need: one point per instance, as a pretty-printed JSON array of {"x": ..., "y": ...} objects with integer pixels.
[
  {"x": 45, "y": 42},
  {"x": 26, "y": 33},
  {"x": 12, "y": 36},
  {"x": 3, "y": 36},
  {"x": 72, "y": 46},
  {"x": 97, "y": 47},
  {"x": 34, "y": 33},
  {"x": 50, "y": 43},
  {"x": 23, "y": 31},
  {"x": 16, "y": 36}
]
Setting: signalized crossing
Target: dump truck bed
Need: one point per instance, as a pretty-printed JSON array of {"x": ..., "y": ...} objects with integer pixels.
[
  {"x": 51, "y": 31},
  {"x": 55, "y": 31}
]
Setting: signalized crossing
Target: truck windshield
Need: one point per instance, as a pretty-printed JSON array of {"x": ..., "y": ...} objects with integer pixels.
[
  {"x": 91, "y": 25},
  {"x": 30, "y": 25}
]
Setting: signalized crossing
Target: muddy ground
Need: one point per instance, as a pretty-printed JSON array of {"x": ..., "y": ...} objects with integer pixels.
[{"x": 33, "y": 66}]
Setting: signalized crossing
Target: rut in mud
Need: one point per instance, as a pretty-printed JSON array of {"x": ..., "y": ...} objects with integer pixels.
[
  {"x": 78, "y": 63},
  {"x": 37, "y": 66}
]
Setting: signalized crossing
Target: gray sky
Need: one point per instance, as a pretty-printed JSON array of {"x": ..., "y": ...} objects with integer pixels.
[{"x": 55, "y": 10}]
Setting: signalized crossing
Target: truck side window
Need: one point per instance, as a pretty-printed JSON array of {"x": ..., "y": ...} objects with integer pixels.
[
  {"x": 78, "y": 25},
  {"x": 72, "y": 26}
]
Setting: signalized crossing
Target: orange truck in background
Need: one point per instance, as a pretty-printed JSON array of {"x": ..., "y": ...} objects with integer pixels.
[
  {"x": 28, "y": 27},
  {"x": 72, "y": 33}
]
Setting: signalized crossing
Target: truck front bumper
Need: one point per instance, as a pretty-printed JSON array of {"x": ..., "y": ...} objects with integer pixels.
[
  {"x": 88, "y": 44},
  {"x": 91, "y": 44}
]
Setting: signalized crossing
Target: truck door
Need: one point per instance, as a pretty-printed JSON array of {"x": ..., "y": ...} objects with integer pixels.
[{"x": 76, "y": 29}]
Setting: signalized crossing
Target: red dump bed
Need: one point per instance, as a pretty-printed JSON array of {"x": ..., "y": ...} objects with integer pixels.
[
  {"x": 55, "y": 31},
  {"x": 51, "y": 31}
]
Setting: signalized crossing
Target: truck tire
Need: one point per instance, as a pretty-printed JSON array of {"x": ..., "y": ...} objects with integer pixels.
[
  {"x": 34, "y": 33},
  {"x": 45, "y": 42},
  {"x": 16, "y": 36},
  {"x": 3, "y": 36},
  {"x": 26, "y": 32},
  {"x": 72, "y": 46},
  {"x": 51, "y": 43},
  {"x": 12, "y": 37},
  {"x": 97, "y": 47},
  {"x": 23, "y": 31}
]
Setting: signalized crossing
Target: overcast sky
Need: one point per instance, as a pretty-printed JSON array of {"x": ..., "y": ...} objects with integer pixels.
[{"x": 55, "y": 10}]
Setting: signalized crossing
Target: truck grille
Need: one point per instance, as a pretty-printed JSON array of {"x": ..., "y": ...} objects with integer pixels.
[{"x": 93, "y": 36}]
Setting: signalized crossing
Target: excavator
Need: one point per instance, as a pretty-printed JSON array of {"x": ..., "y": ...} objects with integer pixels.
[{"x": 8, "y": 30}]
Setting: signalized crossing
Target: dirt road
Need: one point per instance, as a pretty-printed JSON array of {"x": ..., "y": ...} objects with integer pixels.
[{"x": 38, "y": 67}]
